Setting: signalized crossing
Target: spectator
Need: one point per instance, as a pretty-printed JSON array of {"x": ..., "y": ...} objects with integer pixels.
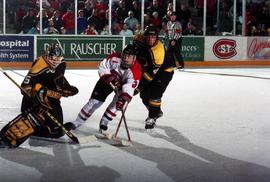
[
  {"x": 136, "y": 9},
  {"x": 90, "y": 30},
  {"x": 121, "y": 11},
  {"x": 101, "y": 8},
  {"x": 190, "y": 30},
  {"x": 147, "y": 19},
  {"x": 138, "y": 29},
  {"x": 116, "y": 28},
  {"x": 63, "y": 31},
  {"x": 80, "y": 4},
  {"x": 81, "y": 22},
  {"x": 28, "y": 21},
  {"x": 184, "y": 16},
  {"x": 35, "y": 30},
  {"x": 125, "y": 31},
  {"x": 50, "y": 29},
  {"x": 156, "y": 20},
  {"x": 131, "y": 21},
  {"x": 95, "y": 20},
  {"x": 166, "y": 17},
  {"x": 88, "y": 9},
  {"x": 69, "y": 21},
  {"x": 45, "y": 18},
  {"x": 155, "y": 6},
  {"x": 54, "y": 4},
  {"x": 58, "y": 22},
  {"x": 65, "y": 5},
  {"x": 105, "y": 30}
]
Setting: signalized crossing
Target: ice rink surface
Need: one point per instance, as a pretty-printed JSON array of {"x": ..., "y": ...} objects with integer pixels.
[{"x": 215, "y": 128}]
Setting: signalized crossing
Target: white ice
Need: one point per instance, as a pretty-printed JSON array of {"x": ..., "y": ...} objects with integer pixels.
[{"x": 214, "y": 128}]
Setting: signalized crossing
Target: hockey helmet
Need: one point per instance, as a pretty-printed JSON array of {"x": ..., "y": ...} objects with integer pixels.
[
  {"x": 128, "y": 56},
  {"x": 54, "y": 55},
  {"x": 151, "y": 35}
]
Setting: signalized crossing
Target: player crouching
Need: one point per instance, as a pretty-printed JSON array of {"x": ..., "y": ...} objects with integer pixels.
[{"x": 42, "y": 89}]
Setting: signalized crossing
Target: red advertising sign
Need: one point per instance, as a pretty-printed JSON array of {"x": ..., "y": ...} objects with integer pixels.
[{"x": 225, "y": 48}]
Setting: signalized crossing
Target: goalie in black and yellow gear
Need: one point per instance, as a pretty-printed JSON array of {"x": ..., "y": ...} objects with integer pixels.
[{"x": 45, "y": 83}]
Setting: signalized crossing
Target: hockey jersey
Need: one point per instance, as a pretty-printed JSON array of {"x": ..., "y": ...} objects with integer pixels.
[{"x": 130, "y": 77}]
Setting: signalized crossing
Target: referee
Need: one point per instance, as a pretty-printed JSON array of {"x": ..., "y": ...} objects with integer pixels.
[{"x": 174, "y": 28}]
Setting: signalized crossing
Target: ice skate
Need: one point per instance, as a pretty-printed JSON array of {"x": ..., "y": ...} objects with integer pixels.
[{"x": 150, "y": 123}]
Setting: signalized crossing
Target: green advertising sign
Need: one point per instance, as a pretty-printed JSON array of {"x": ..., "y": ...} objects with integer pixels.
[
  {"x": 82, "y": 48},
  {"x": 193, "y": 48}
]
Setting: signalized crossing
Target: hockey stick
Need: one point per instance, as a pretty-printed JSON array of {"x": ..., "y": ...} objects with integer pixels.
[
  {"x": 122, "y": 117},
  {"x": 125, "y": 122},
  {"x": 68, "y": 133}
]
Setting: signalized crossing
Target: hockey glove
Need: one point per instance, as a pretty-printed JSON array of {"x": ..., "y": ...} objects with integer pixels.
[
  {"x": 114, "y": 78},
  {"x": 122, "y": 99},
  {"x": 72, "y": 90}
]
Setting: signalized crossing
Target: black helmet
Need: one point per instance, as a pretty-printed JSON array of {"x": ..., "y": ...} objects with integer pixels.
[
  {"x": 54, "y": 55},
  {"x": 54, "y": 50},
  {"x": 151, "y": 30},
  {"x": 130, "y": 49}
]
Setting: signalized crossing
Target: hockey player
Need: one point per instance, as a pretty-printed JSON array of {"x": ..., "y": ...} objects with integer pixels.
[
  {"x": 174, "y": 35},
  {"x": 118, "y": 72},
  {"x": 44, "y": 85},
  {"x": 157, "y": 73}
]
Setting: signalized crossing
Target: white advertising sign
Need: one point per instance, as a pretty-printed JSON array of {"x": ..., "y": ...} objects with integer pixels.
[
  {"x": 258, "y": 48},
  {"x": 225, "y": 48}
]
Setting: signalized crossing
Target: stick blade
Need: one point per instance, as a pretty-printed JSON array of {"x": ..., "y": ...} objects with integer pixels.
[{"x": 87, "y": 139}]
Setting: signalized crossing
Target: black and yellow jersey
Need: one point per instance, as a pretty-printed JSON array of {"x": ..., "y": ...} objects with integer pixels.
[{"x": 41, "y": 73}]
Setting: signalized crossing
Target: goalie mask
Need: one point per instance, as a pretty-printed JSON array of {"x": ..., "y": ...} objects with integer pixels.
[
  {"x": 54, "y": 55},
  {"x": 128, "y": 56},
  {"x": 151, "y": 35}
]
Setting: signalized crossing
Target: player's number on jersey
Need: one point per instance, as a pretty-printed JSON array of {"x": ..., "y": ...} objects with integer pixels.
[{"x": 27, "y": 79}]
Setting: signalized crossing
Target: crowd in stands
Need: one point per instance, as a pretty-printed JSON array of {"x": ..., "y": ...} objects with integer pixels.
[
  {"x": 257, "y": 20},
  {"x": 58, "y": 16}
]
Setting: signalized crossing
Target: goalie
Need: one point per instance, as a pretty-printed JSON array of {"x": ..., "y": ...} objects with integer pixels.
[{"x": 44, "y": 84}]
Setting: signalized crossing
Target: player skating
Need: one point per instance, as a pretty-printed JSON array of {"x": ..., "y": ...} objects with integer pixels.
[
  {"x": 157, "y": 73},
  {"x": 119, "y": 71}
]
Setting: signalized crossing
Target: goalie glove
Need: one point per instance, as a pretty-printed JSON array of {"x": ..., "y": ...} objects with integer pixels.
[
  {"x": 114, "y": 78},
  {"x": 122, "y": 99}
]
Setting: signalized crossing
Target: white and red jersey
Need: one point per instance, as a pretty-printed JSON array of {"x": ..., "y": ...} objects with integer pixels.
[{"x": 130, "y": 77}]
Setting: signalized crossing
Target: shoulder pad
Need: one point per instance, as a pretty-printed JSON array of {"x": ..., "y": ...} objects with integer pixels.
[
  {"x": 158, "y": 53},
  {"x": 39, "y": 66}
]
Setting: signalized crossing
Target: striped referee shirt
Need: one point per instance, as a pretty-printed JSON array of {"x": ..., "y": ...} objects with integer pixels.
[{"x": 174, "y": 30}]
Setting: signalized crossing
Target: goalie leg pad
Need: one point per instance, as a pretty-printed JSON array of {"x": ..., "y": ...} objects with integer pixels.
[{"x": 17, "y": 131}]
